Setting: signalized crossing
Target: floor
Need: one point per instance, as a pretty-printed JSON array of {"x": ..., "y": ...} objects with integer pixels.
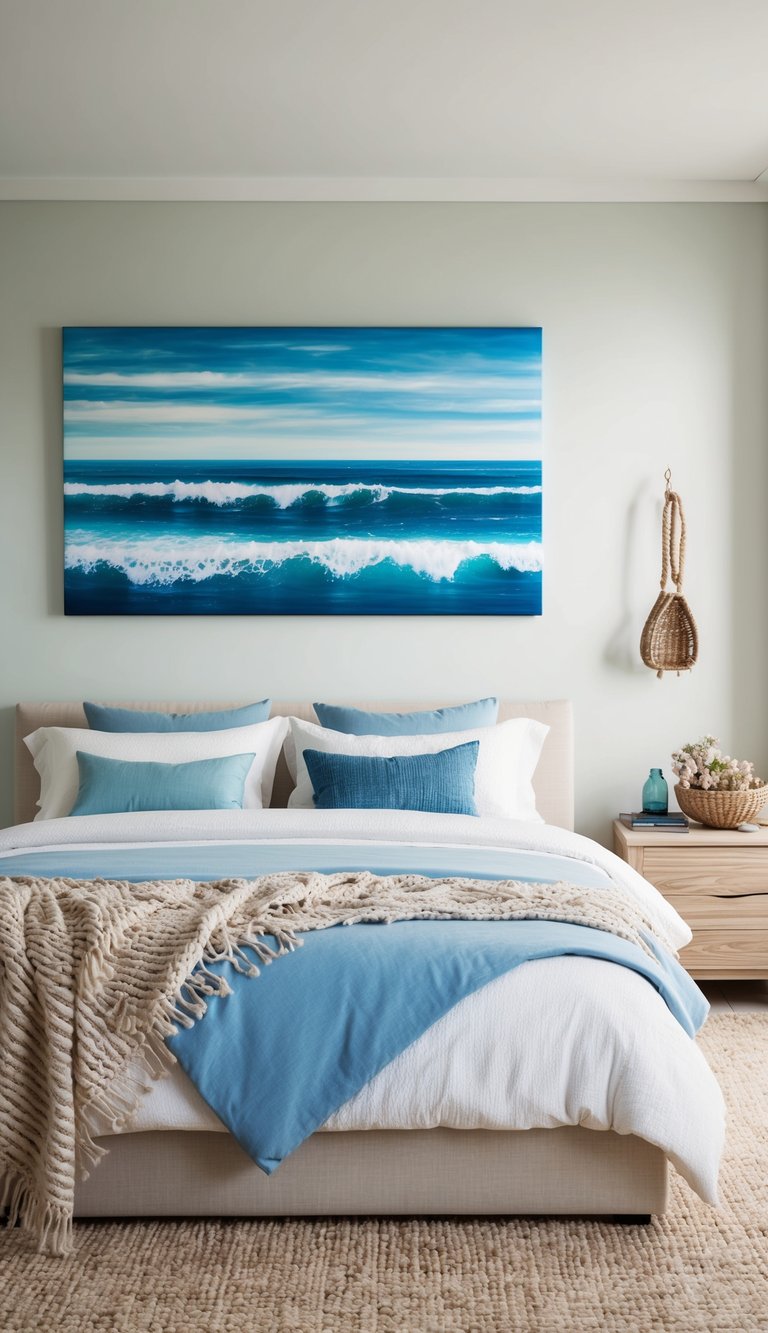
[{"x": 740, "y": 997}]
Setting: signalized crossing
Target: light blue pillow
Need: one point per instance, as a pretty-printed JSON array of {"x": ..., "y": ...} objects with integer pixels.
[
  {"x": 443, "y": 783},
  {"x": 101, "y": 717},
  {"x": 356, "y": 722},
  {"x": 114, "y": 786}
]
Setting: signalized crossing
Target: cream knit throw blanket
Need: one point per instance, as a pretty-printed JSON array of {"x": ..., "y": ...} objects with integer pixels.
[{"x": 94, "y": 975}]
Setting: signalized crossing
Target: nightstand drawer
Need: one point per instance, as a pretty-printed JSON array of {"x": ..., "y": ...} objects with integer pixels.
[
  {"x": 709, "y": 911},
  {"x": 697, "y": 870},
  {"x": 727, "y": 953}
]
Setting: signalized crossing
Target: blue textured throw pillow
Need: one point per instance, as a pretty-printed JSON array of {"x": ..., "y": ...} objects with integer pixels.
[
  {"x": 356, "y": 722},
  {"x": 114, "y": 786},
  {"x": 101, "y": 717},
  {"x": 443, "y": 783}
]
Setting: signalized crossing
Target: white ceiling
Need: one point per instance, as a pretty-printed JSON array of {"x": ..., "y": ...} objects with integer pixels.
[{"x": 383, "y": 98}]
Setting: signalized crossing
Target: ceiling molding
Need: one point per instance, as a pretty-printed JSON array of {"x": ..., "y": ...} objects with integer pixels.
[{"x": 378, "y": 189}]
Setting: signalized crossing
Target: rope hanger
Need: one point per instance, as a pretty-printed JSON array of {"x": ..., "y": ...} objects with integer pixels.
[{"x": 672, "y": 537}]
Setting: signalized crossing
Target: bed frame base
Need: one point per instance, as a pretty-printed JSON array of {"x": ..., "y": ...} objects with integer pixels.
[{"x": 566, "y": 1172}]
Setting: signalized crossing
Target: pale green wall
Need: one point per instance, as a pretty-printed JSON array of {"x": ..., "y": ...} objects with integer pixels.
[{"x": 655, "y": 323}]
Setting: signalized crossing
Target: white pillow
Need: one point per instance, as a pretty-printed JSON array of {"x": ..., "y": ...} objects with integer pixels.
[
  {"x": 506, "y": 760},
  {"x": 54, "y": 750}
]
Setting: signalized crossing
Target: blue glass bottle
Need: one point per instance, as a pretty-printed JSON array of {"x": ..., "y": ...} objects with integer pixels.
[{"x": 655, "y": 794}]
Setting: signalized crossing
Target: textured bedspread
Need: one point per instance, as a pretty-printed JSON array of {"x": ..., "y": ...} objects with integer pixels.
[
  {"x": 559, "y": 1040},
  {"x": 97, "y": 973}
]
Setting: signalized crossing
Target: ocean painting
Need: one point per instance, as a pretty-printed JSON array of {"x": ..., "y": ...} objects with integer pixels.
[{"x": 305, "y": 471}]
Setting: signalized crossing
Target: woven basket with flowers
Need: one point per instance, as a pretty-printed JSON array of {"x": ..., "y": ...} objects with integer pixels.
[{"x": 715, "y": 789}]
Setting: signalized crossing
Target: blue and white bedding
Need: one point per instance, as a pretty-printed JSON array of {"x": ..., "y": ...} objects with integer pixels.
[{"x": 523, "y": 1024}]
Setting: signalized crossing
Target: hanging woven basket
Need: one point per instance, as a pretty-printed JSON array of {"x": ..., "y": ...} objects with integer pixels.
[{"x": 670, "y": 640}]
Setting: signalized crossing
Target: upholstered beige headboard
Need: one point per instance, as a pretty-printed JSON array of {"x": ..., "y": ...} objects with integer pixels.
[{"x": 553, "y": 780}]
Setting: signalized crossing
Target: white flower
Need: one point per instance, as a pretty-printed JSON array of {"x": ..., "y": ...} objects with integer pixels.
[{"x": 693, "y": 763}]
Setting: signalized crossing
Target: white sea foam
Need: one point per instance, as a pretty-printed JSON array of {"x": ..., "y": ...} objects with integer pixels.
[
  {"x": 165, "y": 561},
  {"x": 284, "y": 494}
]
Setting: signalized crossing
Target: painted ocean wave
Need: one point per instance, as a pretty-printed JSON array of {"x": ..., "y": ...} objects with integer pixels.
[
  {"x": 302, "y": 537},
  {"x": 166, "y": 562},
  {"x": 283, "y": 495}
]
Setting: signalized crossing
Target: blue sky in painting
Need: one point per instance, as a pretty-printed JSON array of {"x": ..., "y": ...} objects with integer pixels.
[{"x": 302, "y": 393}]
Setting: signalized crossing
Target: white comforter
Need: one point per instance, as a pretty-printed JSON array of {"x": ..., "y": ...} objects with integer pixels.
[{"x": 563, "y": 1041}]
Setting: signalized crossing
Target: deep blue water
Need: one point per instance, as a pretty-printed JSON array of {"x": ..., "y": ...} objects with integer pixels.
[{"x": 160, "y": 538}]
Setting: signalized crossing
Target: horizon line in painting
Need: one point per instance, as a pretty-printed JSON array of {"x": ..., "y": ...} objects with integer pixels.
[{"x": 276, "y": 470}]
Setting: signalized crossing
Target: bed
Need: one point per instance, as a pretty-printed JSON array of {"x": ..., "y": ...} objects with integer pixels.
[{"x": 179, "y": 1160}]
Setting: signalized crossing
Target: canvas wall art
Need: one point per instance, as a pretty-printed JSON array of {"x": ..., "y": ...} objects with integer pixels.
[{"x": 374, "y": 471}]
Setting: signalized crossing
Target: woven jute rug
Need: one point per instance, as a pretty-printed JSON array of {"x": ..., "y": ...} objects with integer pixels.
[{"x": 695, "y": 1269}]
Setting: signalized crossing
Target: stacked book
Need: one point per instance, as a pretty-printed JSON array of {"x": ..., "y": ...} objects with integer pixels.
[{"x": 672, "y": 823}]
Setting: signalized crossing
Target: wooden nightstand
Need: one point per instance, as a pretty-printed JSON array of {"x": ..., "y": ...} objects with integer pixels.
[{"x": 718, "y": 882}]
